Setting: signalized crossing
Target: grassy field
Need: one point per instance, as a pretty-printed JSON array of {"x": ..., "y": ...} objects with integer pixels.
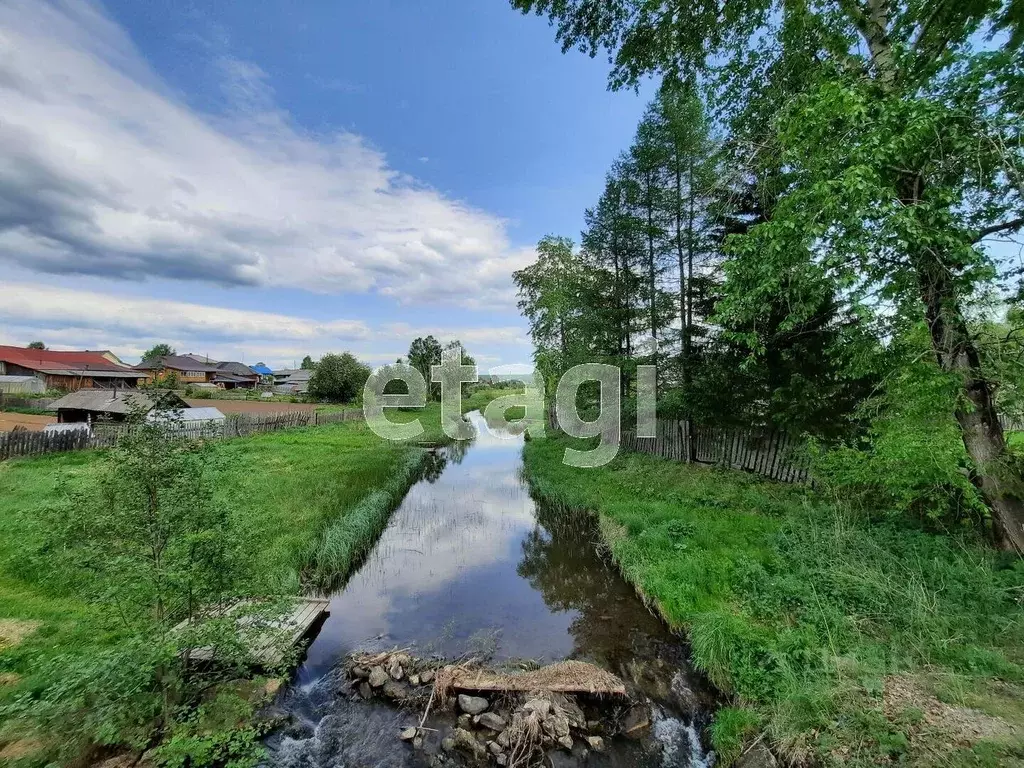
[
  {"x": 312, "y": 501},
  {"x": 842, "y": 641}
]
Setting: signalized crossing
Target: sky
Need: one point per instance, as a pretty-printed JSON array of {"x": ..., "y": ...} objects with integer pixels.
[{"x": 258, "y": 181}]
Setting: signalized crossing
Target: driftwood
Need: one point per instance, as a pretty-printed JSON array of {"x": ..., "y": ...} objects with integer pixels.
[{"x": 564, "y": 677}]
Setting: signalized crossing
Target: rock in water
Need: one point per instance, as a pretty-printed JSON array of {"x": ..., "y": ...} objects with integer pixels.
[
  {"x": 492, "y": 721},
  {"x": 395, "y": 669},
  {"x": 378, "y": 677},
  {"x": 635, "y": 721},
  {"x": 472, "y": 705},
  {"x": 465, "y": 741},
  {"x": 365, "y": 690},
  {"x": 395, "y": 690},
  {"x": 565, "y": 742},
  {"x": 540, "y": 706},
  {"x": 596, "y": 743},
  {"x": 408, "y": 734}
]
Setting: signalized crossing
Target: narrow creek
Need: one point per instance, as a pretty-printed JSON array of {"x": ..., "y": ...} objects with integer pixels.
[{"x": 470, "y": 564}]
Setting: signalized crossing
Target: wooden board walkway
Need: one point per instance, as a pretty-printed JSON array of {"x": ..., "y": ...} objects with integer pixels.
[{"x": 265, "y": 649}]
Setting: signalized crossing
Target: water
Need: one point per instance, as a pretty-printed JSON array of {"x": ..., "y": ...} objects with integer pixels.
[{"x": 471, "y": 564}]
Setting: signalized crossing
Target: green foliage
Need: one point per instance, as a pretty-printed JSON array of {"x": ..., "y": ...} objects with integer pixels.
[
  {"x": 731, "y": 730},
  {"x": 307, "y": 364},
  {"x": 338, "y": 378},
  {"x": 158, "y": 350},
  {"x": 35, "y": 345},
  {"x": 912, "y": 462},
  {"x": 221, "y": 731}
]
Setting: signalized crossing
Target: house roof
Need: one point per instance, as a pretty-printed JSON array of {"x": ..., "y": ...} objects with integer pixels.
[
  {"x": 176, "y": 363},
  {"x": 115, "y": 401},
  {"x": 201, "y": 358},
  {"x": 205, "y": 413},
  {"x": 237, "y": 369},
  {"x": 294, "y": 374},
  {"x": 55, "y": 362}
]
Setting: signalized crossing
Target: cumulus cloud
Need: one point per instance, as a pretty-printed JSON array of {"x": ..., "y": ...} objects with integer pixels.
[
  {"x": 105, "y": 172},
  {"x": 128, "y": 325}
]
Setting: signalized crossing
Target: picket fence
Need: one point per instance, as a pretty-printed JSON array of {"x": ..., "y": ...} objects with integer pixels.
[
  {"x": 771, "y": 453},
  {"x": 23, "y": 443}
]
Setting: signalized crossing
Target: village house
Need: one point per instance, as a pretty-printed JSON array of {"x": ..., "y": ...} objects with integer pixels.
[
  {"x": 200, "y": 370},
  {"x": 185, "y": 368},
  {"x": 292, "y": 381},
  {"x": 102, "y": 405},
  {"x": 69, "y": 371}
]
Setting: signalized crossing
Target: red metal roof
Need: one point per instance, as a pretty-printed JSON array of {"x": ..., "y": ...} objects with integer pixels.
[{"x": 51, "y": 360}]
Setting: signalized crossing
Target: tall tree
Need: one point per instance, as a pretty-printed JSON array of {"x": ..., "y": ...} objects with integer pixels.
[
  {"x": 307, "y": 364},
  {"x": 904, "y": 149},
  {"x": 425, "y": 352},
  {"x": 36, "y": 345},
  {"x": 157, "y": 350}
]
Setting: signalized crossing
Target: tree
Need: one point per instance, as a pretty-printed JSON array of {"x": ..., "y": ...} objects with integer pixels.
[
  {"x": 338, "y": 378},
  {"x": 900, "y": 135},
  {"x": 424, "y": 353},
  {"x": 36, "y": 345},
  {"x": 148, "y": 541},
  {"x": 157, "y": 351},
  {"x": 307, "y": 364}
]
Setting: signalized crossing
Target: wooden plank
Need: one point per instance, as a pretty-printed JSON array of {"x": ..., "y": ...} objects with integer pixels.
[{"x": 263, "y": 649}]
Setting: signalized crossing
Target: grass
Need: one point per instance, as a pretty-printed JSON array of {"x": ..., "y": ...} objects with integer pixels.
[
  {"x": 815, "y": 622},
  {"x": 312, "y": 500}
]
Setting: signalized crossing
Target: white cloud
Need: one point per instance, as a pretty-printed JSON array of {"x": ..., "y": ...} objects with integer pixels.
[
  {"x": 128, "y": 325},
  {"x": 104, "y": 172}
]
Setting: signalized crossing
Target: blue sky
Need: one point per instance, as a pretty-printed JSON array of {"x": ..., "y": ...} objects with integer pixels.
[{"x": 259, "y": 180}]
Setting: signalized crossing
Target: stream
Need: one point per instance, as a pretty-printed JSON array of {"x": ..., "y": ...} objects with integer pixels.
[{"x": 471, "y": 565}]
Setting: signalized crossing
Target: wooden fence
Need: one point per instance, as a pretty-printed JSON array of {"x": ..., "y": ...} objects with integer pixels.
[
  {"x": 771, "y": 453},
  {"x": 22, "y": 443}
]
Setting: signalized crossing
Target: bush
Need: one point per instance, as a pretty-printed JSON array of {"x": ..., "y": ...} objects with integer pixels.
[{"x": 338, "y": 378}]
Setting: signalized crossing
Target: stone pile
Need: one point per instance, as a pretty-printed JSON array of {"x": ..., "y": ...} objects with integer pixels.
[
  {"x": 507, "y": 728},
  {"x": 396, "y": 676}
]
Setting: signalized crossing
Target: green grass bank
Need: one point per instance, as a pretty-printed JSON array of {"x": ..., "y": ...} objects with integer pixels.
[
  {"x": 312, "y": 501},
  {"x": 838, "y": 639}
]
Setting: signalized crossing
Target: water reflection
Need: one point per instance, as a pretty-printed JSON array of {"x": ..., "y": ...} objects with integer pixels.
[{"x": 469, "y": 555}]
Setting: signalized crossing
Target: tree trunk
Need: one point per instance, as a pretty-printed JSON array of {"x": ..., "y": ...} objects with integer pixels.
[{"x": 976, "y": 412}]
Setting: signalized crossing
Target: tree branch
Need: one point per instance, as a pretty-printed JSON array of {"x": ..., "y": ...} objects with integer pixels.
[{"x": 995, "y": 228}]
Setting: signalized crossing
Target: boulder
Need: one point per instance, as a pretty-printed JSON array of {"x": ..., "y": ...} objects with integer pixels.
[
  {"x": 426, "y": 675},
  {"x": 365, "y": 691},
  {"x": 541, "y": 706},
  {"x": 414, "y": 679},
  {"x": 495, "y": 747},
  {"x": 635, "y": 721},
  {"x": 408, "y": 734},
  {"x": 378, "y": 676},
  {"x": 596, "y": 743},
  {"x": 395, "y": 669},
  {"x": 491, "y": 720},
  {"x": 465, "y": 742},
  {"x": 758, "y": 756},
  {"x": 360, "y": 672},
  {"x": 565, "y": 742},
  {"x": 395, "y": 690},
  {"x": 472, "y": 705}
]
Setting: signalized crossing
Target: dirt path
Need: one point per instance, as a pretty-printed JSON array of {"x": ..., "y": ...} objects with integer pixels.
[{"x": 31, "y": 422}]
